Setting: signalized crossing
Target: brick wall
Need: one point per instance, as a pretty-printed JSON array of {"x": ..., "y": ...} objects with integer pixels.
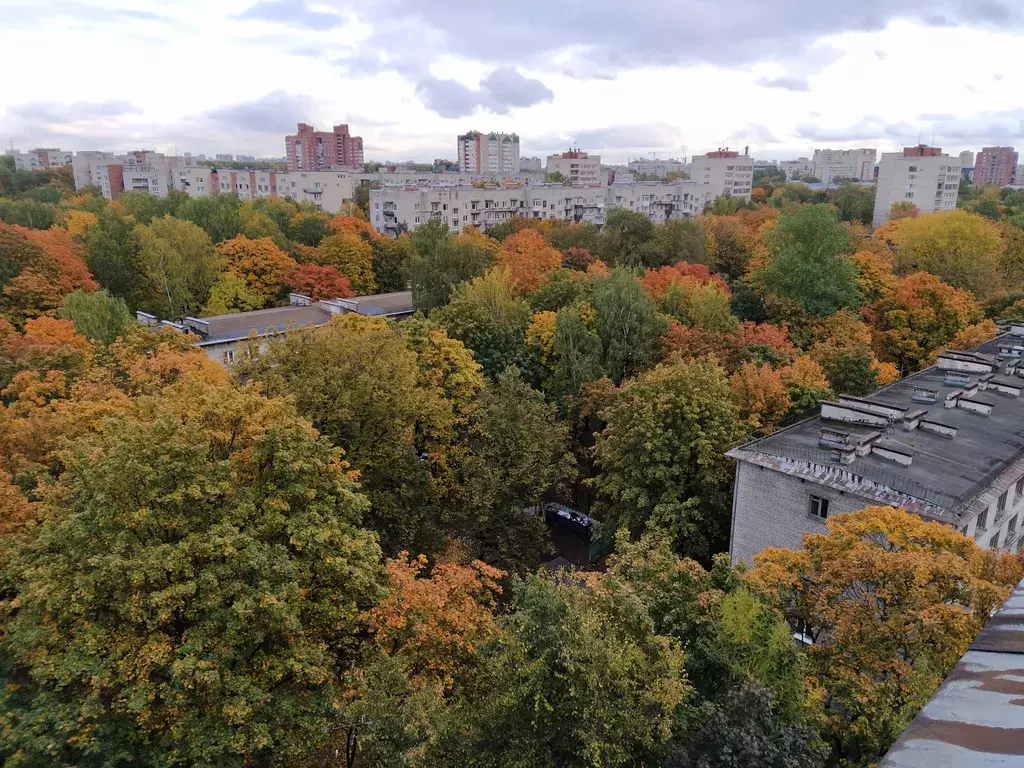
[{"x": 771, "y": 510}]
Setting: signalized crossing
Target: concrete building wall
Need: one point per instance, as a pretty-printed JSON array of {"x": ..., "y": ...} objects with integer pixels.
[
  {"x": 327, "y": 190},
  {"x": 577, "y": 166},
  {"x": 796, "y": 169},
  {"x": 724, "y": 172},
  {"x": 829, "y": 164},
  {"x": 995, "y": 165},
  {"x": 308, "y": 149},
  {"x": 919, "y": 175},
  {"x": 489, "y": 153},
  {"x": 531, "y": 164},
  {"x": 967, "y": 159}
]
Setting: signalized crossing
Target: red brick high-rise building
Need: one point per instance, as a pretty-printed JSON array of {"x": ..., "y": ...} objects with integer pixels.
[
  {"x": 309, "y": 148},
  {"x": 995, "y": 165}
]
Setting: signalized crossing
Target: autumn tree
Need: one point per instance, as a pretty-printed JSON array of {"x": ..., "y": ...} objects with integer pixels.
[
  {"x": 179, "y": 266},
  {"x": 391, "y": 262},
  {"x": 575, "y": 351},
  {"x": 807, "y": 263},
  {"x": 761, "y": 396},
  {"x": 890, "y": 603},
  {"x": 231, "y": 294},
  {"x": 248, "y": 527},
  {"x": 439, "y": 262},
  {"x": 527, "y": 257},
  {"x": 626, "y": 238},
  {"x": 662, "y": 455},
  {"x": 262, "y": 265},
  {"x": 97, "y": 315},
  {"x": 217, "y": 215},
  {"x": 318, "y": 282},
  {"x": 352, "y": 257},
  {"x": 806, "y": 384},
  {"x": 112, "y": 253},
  {"x": 628, "y": 325}
]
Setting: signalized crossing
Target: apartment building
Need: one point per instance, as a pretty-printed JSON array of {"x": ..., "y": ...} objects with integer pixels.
[
  {"x": 531, "y": 164},
  {"x": 82, "y": 165},
  {"x": 796, "y": 169},
  {"x": 995, "y": 165},
  {"x": 725, "y": 172},
  {"x": 327, "y": 190},
  {"x": 656, "y": 167},
  {"x": 483, "y": 208},
  {"x": 577, "y": 166},
  {"x": 858, "y": 164},
  {"x": 40, "y": 158},
  {"x": 946, "y": 443},
  {"x": 308, "y": 149},
  {"x": 967, "y": 159},
  {"x": 921, "y": 175},
  {"x": 492, "y": 153}
]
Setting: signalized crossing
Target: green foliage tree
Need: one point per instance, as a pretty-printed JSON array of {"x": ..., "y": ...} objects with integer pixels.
[
  {"x": 662, "y": 456},
  {"x": 576, "y": 353},
  {"x": 179, "y": 264},
  {"x": 677, "y": 240},
  {"x": 626, "y": 238},
  {"x": 391, "y": 263},
  {"x": 97, "y": 315},
  {"x": 852, "y": 371},
  {"x": 808, "y": 265},
  {"x": 437, "y": 264},
  {"x": 112, "y": 251},
  {"x": 628, "y": 324},
  {"x": 28, "y": 213},
  {"x": 191, "y": 595},
  {"x": 217, "y": 215}
]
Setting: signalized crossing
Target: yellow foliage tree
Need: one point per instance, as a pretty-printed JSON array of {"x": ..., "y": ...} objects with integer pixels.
[
  {"x": 352, "y": 256},
  {"x": 260, "y": 263}
]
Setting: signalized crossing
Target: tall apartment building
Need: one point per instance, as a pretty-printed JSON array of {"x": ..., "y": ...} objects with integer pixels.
[
  {"x": 225, "y": 157},
  {"x": 531, "y": 164},
  {"x": 921, "y": 175},
  {"x": 832, "y": 164},
  {"x": 483, "y": 208},
  {"x": 308, "y": 149},
  {"x": 82, "y": 166},
  {"x": 995, "y": 165},
  {"x": 577, "y": 166},
  {"x": 946, "y": 443},
  {"x": 656, "y": 167},
  {"x": 725, "y": 172},
  {"x": 796, "y": 169},
  {"x": 40, "y": 158},
  {"x": 488, "y": 153},
  {"x": 967, "y": 159}
]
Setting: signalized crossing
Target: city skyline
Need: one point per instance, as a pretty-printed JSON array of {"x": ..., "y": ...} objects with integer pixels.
[{"x": 784, "y": 79}]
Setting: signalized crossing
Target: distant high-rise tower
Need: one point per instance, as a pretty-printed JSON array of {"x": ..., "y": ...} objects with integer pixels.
[
  {"x": 308, "y": 148},
  {"x": 488, "y": 153},
  {"x": 995, "y": 165}
]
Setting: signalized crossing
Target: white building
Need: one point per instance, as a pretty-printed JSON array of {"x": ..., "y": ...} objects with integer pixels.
[
  {"x": 578, "y": 167},
  {"x": 967, "y": 159},
  {"x": 493, "y": 153},
  {"x": 724, "y": 172},
  {"x": 832, "y": 164},
  {"x": 796, "y": 169},
  {"x": 40, "y": 158},
  {"x": 531, "y": 164},
  {"x": 920, "y": 175},
  {"x": 483, "y": 208},
  {"x": 82, "y": 165},
  {"x": 327, "y": 190},
  {"x": 656, "y": 167}
]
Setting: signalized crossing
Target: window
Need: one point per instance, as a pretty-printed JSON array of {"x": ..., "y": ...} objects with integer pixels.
[
  {"x": 230, "y": 355},
  {"x": 982, "y": 520},
  {"x": 912, "y": 169},
  {"x": 1013, "y": 524},
  {"x": 818, "y": 507},
  {"x": 993, "y": 543},
  {"x": 909, "y": 195},
  {"x": 1002, "y": 501},
  {"x": 1020, "y": 487}
]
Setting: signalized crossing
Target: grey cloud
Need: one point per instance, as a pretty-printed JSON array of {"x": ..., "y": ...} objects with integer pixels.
[
  {"x": 502, "y": 90},
  {"x": 615, "y": 137},
  {"x": 755, "y": 133},
  {"x": 293, "y": 12},
  {"x": 932, "y": 116},
  {"x": 277, "y": 112},
  {"x": 997, "y": 77},
  {"x": 24, "y": 15},
  {"x": 881, "y": 55},
  {"x": 984, "y": 128},
  {"x": 785, "y": 83},
  {"x": 52, "y": 112}
]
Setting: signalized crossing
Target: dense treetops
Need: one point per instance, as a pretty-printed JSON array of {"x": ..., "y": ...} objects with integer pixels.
[{"x": 321, "y": 556}]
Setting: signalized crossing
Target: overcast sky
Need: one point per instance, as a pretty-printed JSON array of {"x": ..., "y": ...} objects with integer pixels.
[{"x": 623, "y": 79}]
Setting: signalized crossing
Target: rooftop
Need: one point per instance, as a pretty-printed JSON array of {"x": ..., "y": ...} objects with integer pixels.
[
  {"x": 239, "y": 325},
  {"x": 932, "y": 442},
  {"x": 974, "y": 720}
]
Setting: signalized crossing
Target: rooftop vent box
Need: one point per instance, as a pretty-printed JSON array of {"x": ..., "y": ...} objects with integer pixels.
[
  {"x": 957, "y": 378},
  {"x": 925, "y": 395},
  {"x": 833, "y": 438}
]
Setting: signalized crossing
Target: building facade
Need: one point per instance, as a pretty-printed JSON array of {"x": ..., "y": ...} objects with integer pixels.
[
  {"x": 796, "y": 169},
  {"x": 308, "y": 149},
  {"x": 531, "y": 164},
  {"x": 945, "y": 443},
  {"x": 995, "y": 165},
  {"x": 656, "y": 167},
  {"x": 857, "y": 164},
  {"x": 484, "y": 207},
  {"x": 725, "y": 172},
  {"x": 967, "y": 159},
  {"x": 493, "y": 153},
  {"x": 577, "y": 166},
  {"x": 327, "y": 190},
  {"x": 920, "y": 175},
  {"x": 40, "y": 158}
]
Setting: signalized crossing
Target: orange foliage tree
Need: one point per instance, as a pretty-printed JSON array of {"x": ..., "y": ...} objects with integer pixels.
[
  {"x": 262, "y": 265},
  {"x": 352, "y": 257},
  {"x": 354, "y": 226},
  {"x": 761, "y": 395},
  {"x": 318, "y": 282},
  {"x": 528, "y": 257}
]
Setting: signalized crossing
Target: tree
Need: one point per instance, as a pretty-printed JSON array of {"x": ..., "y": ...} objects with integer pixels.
[
  {"x": 960, "y": 248},
  {"x": 391, "y": 263},
  {"x": 528, "y": 258},
  {"x": 97, "y": 315},
  {"x": 318, "y": 282},
  {"x": 217, "y": 215},
  {"x": 852, "y": 371},
  {"x": 626, "y": 237},
  {"x": 77, "y": 223},
  {"x": 308, "y": 227},
  {"x": 855, "y": 203},
  {"x": 559, "y": 288},
  {"x": 29, "y": 213},
  {"x": 760, "y": 395},
  {"x": 807, "y": 263},
  {"x": 627, "y": 323},
  {"x": 891, "y": 603},
  {"x": 439, "y": 262},
  {"x": 201, "y": 574},
  {"x": 351, "y": 256},
  {"x": 260, "y": 263},
  {"x": 806, "y": 383},
  {"x": 662, "y": 455},
  {"x": 141, "y": 206},
  {"x": 578, "y": 678},
  {"x": 555, "y": 177},
  {"x": 112, "y": 252},
  {"x": 576, "y": 352},
  {"x": 231, "y": 294},
  {"x": 179, "y": 265},
  {"x": 677, "y": 240}
]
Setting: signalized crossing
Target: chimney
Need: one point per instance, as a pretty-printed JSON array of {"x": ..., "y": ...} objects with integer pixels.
[{"x": 746, "y": 151}]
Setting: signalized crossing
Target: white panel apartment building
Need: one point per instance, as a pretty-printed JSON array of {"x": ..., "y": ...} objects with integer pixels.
[
  {"x": 578, "y": 167},
  {"x": 920, "y": 175},
  {"x": 493, "y": 153},
  {"x": 945, "y": 443},
  {"x": 724, "y": 172},
  {"x": 795, "y": 169},
  {"x": 655, "y": 167},
  {"x": 327, "y": 190},
  {"x": 832, "y": 164},
  {"x": 483, "y": 208},
  {"x": 40, "y": 158}
]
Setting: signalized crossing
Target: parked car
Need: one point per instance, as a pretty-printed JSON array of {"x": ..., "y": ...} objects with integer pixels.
[{"x": 566, "y": 517}]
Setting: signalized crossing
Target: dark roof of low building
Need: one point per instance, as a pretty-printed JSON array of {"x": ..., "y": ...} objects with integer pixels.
[
  {"x": 237, "y": 326},
  {"x": 976, "y": 718},
  {"x": 945, "y": 473}
]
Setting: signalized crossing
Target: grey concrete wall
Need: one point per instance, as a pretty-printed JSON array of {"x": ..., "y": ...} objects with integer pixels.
[{"x": 771, "y": 510}]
